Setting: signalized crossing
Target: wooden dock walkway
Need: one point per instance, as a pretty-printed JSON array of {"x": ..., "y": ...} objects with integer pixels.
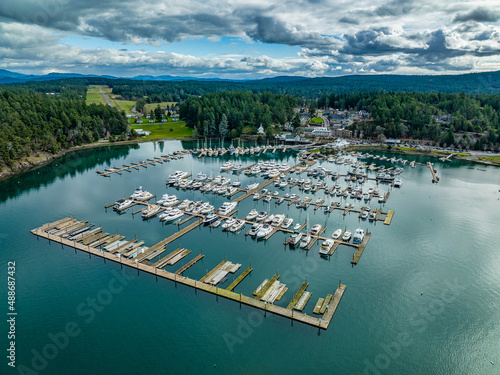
[
  {"x": 239, "y": 279},
  {"x": 361, "y": 248},
  {"x": 297, "y": 295},
  {"x": 388, "y": 218},
  {"x": 176, "y": 277},
  {"x": 189, "y": 264},
  {"x": 183, "y": 231},
  {"x": 435, "y": 178}
]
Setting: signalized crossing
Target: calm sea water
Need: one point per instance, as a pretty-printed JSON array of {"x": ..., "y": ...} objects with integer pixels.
[{"x": 443, "y": 242}]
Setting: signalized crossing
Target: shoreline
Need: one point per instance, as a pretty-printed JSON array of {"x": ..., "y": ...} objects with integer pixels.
[
  {"x": 435, "y": 154},
  {"x": 32, "y": 162}
]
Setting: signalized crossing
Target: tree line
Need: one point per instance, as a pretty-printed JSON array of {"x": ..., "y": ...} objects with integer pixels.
[
  {"x": 232, "y": 113},
  {"x": 31, "y": 122}
]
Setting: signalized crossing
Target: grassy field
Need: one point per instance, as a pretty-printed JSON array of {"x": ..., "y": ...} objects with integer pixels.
[
  {"x": 317, "y": 120},
  {"x": 162, "y": 130},
  {"x": 152, "y": 106},
  {"x": 94, "y": 96}
]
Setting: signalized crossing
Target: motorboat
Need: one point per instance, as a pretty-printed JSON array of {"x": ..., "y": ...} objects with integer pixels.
[
  {"x": 347, "y": 236},
  {"x": 210, "y": 218},
  {"x": 287, "y": 222},
  {"x": 141, "y": 195},
  {"x": 269, "y": 219},
  {"x": 336, "y": 235},
  {"x": 123, "y": 204},
  {"x": 268, "y": 198},
  {"x": 262, "y": 215},
  {"x": 216, "y": 223},
  {"x": 227, "y": 208},
  {"x": 364, "y": 215},
  {"x": 252, "y": 214},
  {"x": 229, "y": 222},
  {"x": 254, "y": 229},
  {"x": 227, "y": 166},
  {"x": 297, "y": 226},
  {"x": 170, "y": 201},
  {"x": 174, "y": 214},
  {"x": 238, "y": 224},
  {"x": 206, "y": 208},
  {"x": 150, "y": 210},
  {"x": 398, "y": 182},
  {"x": 305, "y": 241},
  {"x": 201, "y": 176},
  {"x": 278, "y": 220},
  {"x": 265, "y": 230},
  {"x": 359, "y": 234},
  {"x": 295, "y": 238},
  {"x": 316, "y": 228},
  {"x": 184, "y": 204},
  {"x": 326, "y": 246},
  {"x": 256, "y": 196},
  {"x": 372, "y": 216}
]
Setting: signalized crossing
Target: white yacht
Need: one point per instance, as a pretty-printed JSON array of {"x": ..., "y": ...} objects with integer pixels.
[
  {"x": 123, "y": 205},
  {"x": 170, "y": 201},
  {"x": 184, "y": 204},
  {"x": 287, "y": 223},
  {"x": 278, "y": 220},
  {"x": 150, "y": 210},
  {"x": 269, "y": 219},
  {"x": 238, "y": 224},
  {"x": 255, "y": 228},
  {"x": 305, "y": 241},
  {"x": 326, "y": 246},
  {"x": 295, "y": 238},
  {"x": 316, "y": 228},
  {"x": 201, "y": 176},
  {"x": 347, "y": 236},
  {"x": 252, "y": 214},
  {"x": 227, "y": 166},
  {"x": 398, "y": 182},
  {"x": 337, "y": 234},
  {"x": 174, "y": 214},
  {"x": 264, "y": 231},
  {"x": 261, "y": 216},
  {"x": 141, "y": 195},
  {"x": 359, "y": 234},
  {"x": 229, "y": 222},
  {"x": 227, "y": 208}
]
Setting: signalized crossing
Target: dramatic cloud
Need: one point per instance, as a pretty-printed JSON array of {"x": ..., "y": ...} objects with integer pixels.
[
  {"x": 304, "y": 37},
  {"x": 478, "y": 15}
]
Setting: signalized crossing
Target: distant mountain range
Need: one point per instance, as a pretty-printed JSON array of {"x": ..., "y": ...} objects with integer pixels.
[{"x": 488, "y": 82}]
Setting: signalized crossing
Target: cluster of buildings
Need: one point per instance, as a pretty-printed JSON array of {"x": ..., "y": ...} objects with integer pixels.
[{"x": 334, "y": 125}]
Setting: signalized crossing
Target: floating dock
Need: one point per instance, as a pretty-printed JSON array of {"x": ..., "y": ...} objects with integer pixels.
[
  {"x": 239, "y": 279},
  {"x": 277, "y": 290},
  {"x": 361, "y": 248}
]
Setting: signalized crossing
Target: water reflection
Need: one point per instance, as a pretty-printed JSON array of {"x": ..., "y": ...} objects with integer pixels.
[{"x": 72, "y": 164}]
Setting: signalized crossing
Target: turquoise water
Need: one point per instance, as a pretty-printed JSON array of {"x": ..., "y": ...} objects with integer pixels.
[{"x": 443, "y": 241}]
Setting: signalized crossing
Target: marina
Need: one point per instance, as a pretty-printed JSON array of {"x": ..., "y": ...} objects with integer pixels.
[
  {"x": 265, "y": 295},
  {"x": 195, "y": 318}
]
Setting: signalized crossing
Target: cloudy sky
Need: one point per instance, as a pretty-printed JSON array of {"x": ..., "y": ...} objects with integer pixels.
[{"x": 241, "y": 39}]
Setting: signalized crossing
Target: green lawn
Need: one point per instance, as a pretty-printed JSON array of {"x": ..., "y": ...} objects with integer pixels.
[
  {"x": 317, "y": 120},
  {"x": 94, "y": 96},
  {"x": 152, "y": 106},
  {"x": 162, "y": 130}
]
